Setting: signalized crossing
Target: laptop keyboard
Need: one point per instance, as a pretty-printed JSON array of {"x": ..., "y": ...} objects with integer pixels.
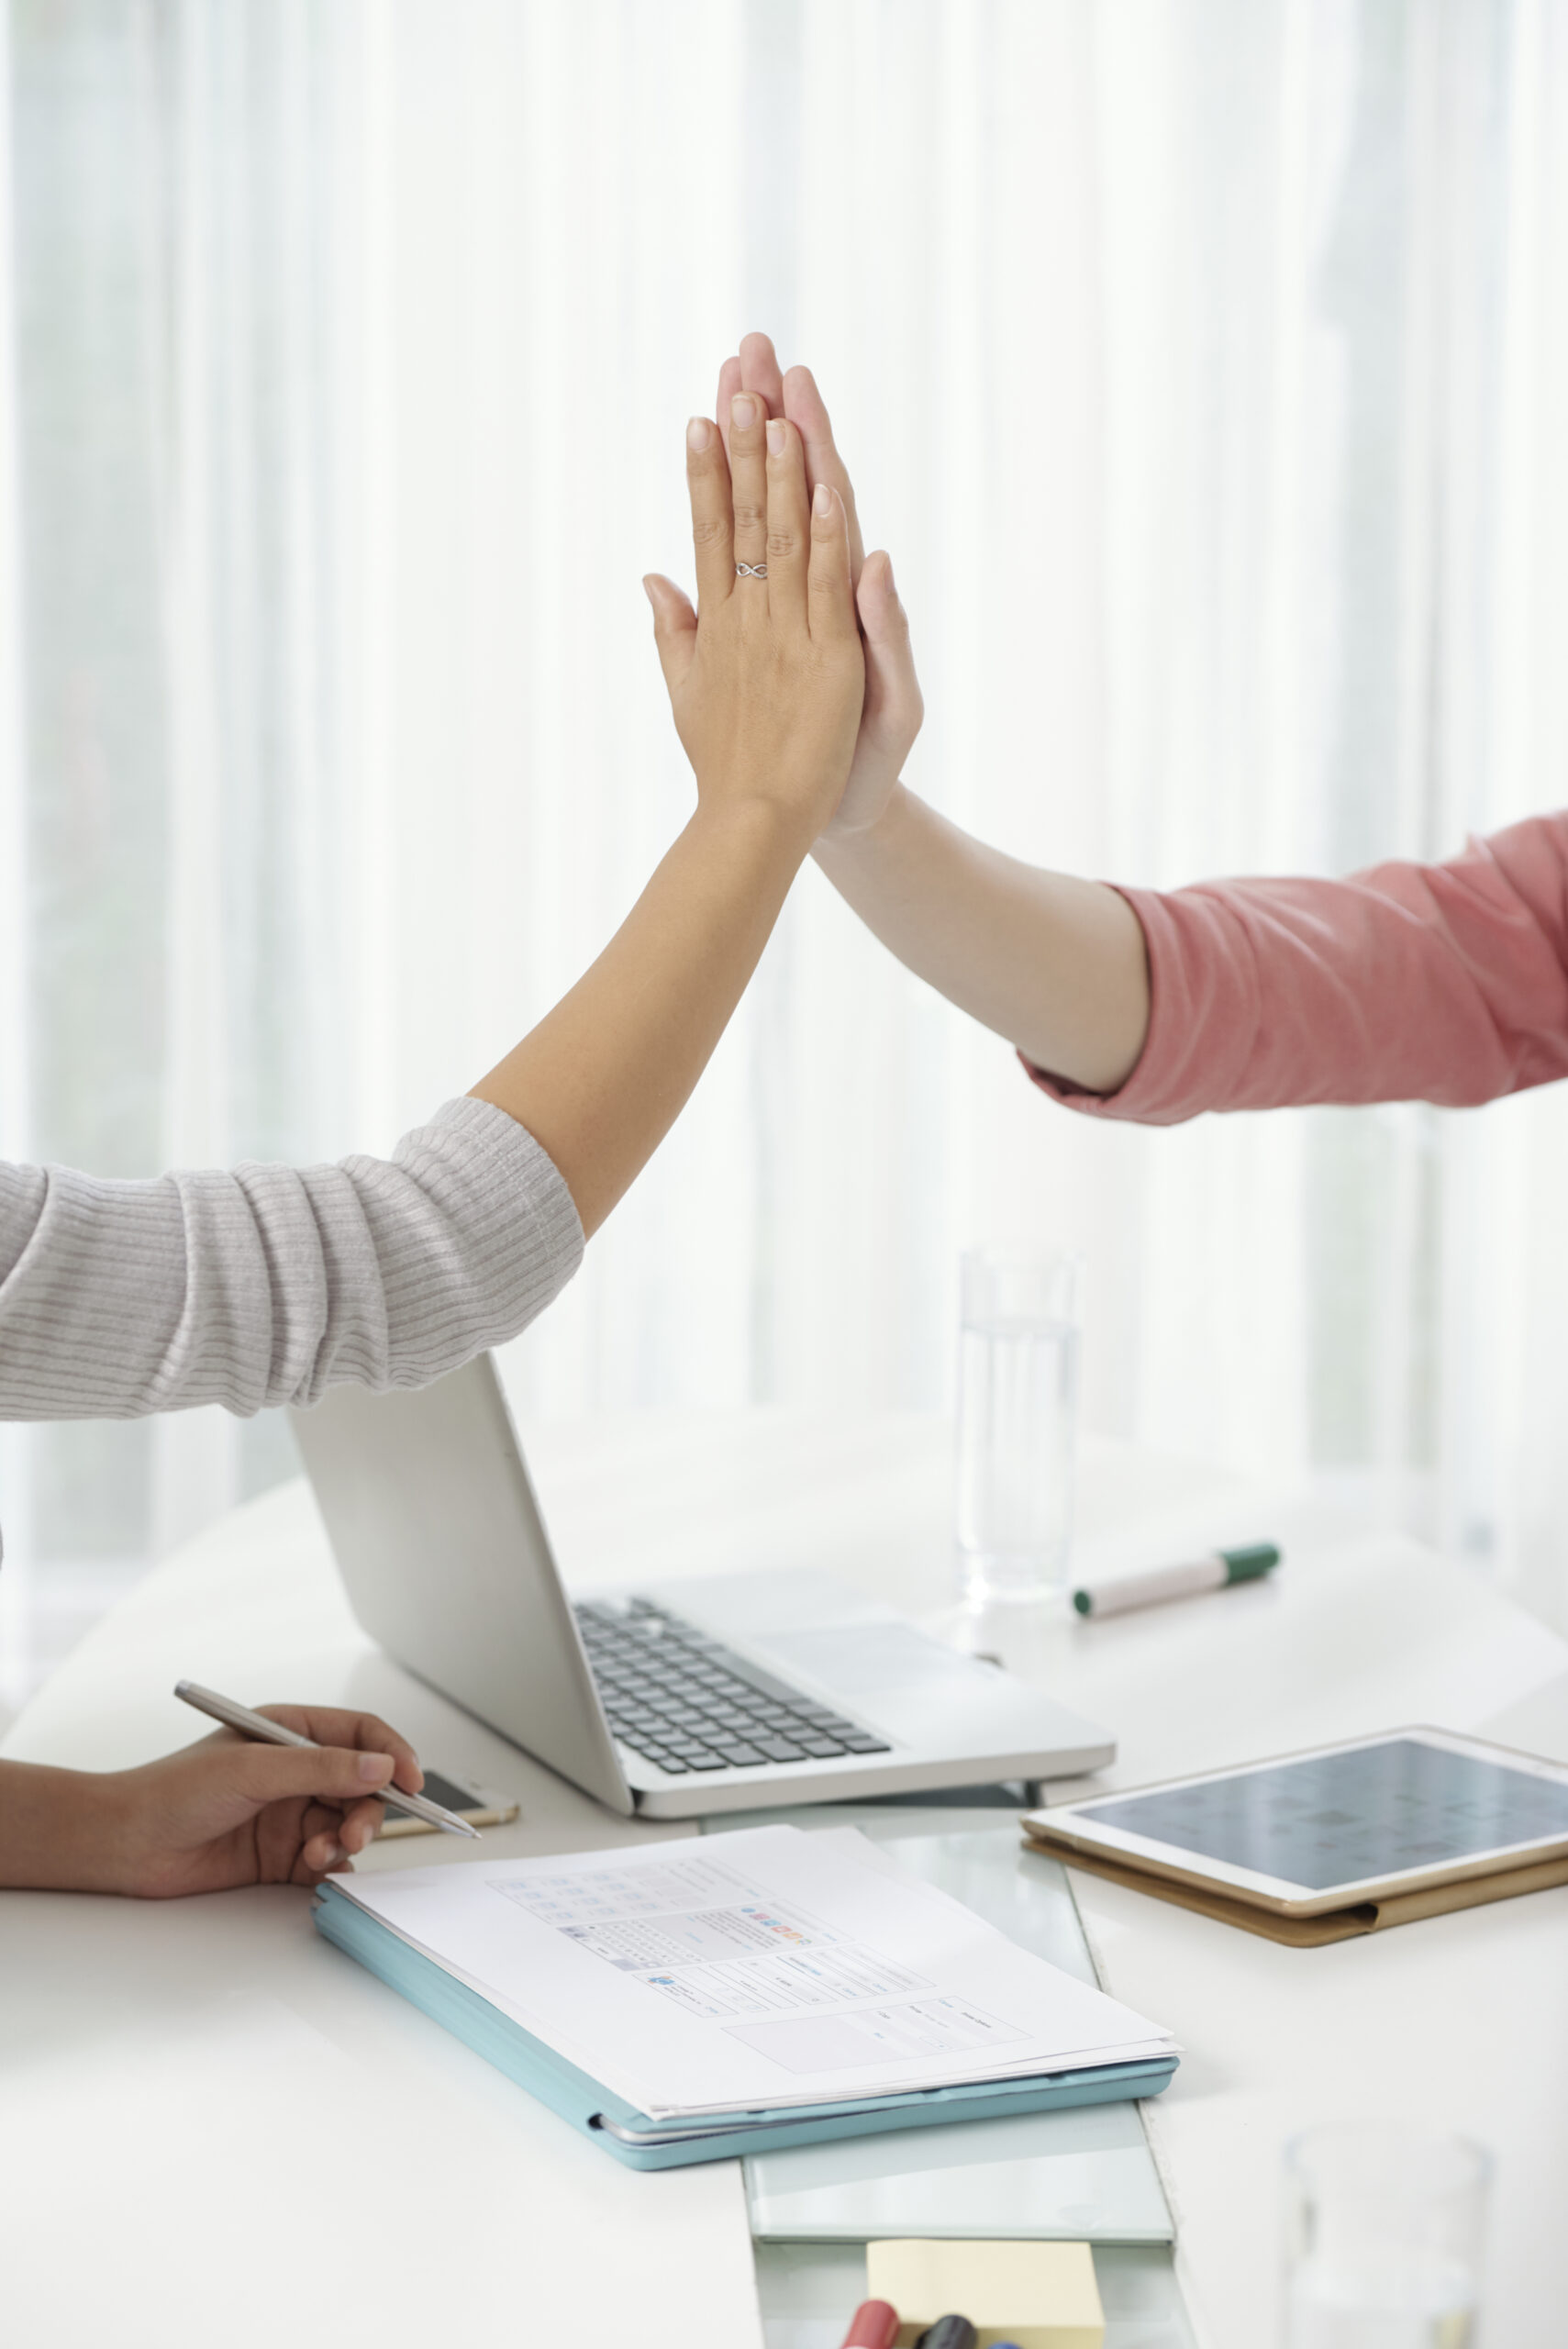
[{"x": 686, "y": 1702}]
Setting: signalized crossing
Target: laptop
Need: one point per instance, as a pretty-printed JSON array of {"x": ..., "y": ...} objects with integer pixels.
[{"x": 721, "y": 1693}]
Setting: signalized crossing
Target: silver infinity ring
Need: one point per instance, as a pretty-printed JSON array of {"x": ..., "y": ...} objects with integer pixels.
[{"x": 750, "y": 571}]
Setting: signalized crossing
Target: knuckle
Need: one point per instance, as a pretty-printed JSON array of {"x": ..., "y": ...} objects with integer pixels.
[
  {"x": 749, "y": 515},
  {"x": 782, "y": 544},
  {"x": 708, "y": 530}
]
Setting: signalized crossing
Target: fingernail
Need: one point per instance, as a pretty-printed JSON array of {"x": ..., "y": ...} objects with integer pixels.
[
  {"x": 696, "y": 435},
  {"x": 776, "y": 437},
  {"x": 824, "y": 500},
  {"x": 375, "y": 1768},
  {"x": 743, "y": 409},
  {"x": 335, "y": 1853},
  {"x": 891, "y": 588}
]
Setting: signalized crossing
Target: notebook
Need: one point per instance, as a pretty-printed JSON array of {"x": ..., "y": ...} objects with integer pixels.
[{"x": 688, "y": 2002}]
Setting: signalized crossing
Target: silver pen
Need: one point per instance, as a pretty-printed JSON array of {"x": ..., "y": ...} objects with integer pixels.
[{"x": 257, "y": 1726}]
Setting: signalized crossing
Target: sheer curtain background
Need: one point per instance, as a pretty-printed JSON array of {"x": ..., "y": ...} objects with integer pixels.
[{"x": 1201, "y": 361}]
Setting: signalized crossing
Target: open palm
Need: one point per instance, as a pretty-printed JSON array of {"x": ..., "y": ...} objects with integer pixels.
[{"x": 892, "y": 708}]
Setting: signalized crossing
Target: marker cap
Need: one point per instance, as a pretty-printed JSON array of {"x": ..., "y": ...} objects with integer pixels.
[
  {"x": 1246, "y": 1564},
  {"x": 949, "y": 2332}
]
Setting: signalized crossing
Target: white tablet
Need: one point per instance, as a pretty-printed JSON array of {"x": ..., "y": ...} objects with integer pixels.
[{"x": 1340, "y": 1824}]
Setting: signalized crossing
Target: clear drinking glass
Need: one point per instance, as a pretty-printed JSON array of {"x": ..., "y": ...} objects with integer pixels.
[
  {"x": 1383, "y": 2223},
  {"x": 1017, "y": 1408}
]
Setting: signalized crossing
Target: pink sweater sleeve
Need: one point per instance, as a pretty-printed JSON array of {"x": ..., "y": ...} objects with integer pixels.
[{"x": 1444, "y": 982}]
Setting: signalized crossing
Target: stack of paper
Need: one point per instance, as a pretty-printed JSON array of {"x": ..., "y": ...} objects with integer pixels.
[{"x": 765, "y": 1971}]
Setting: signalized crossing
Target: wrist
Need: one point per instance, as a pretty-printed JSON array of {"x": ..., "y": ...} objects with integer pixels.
[
  {"x": 88, "y": 1841},
  {"x": 103, "y": 1849},
  {"x": 754, "y": 827},
  {"x": 844, "y": 843}
]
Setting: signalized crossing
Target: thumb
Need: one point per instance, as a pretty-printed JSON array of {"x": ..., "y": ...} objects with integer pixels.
[
  {"x": 892, "y": 688},
  {"x": 333, "y": 1774},
  {"x": 882, "y": 617},
  {"x": 674, "y": 627}
]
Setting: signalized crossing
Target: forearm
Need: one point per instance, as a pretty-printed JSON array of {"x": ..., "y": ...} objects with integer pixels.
[
  {"x": 602, "y": 1078},
  {"x": 1056, "y": 966},
  {"x": 55, "y": 1830}
]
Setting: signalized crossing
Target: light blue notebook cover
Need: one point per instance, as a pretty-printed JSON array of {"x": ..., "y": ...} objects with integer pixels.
[{"x": 643, "y": 2144}]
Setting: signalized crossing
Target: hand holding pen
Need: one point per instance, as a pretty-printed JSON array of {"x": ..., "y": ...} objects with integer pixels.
[
  {"x": 220, "y": 1813},
  {"x": 285, "y": 1725},
  {"x": 211, "y": 1818}
]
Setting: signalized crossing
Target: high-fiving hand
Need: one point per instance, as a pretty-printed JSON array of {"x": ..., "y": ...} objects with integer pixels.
[
  {"x": 892, "y": 708},
  {"x": 766, "y": 675},
  {"x": 767, "y": 679}
]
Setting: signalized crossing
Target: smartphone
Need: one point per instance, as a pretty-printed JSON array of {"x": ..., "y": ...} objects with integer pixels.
[{"x": 480, "y": 1806}]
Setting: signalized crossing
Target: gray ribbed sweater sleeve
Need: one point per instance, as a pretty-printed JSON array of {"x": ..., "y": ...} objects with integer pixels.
[{"x": 270, "y": 1284}]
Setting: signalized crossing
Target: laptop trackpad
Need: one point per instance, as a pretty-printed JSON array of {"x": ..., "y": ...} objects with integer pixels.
[
  {"x": 900, "y": 1679},
  {"x": 858, "y": 1661}
]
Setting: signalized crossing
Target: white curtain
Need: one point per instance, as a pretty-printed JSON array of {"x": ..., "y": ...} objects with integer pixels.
[{"x": 1202, "y": 365}]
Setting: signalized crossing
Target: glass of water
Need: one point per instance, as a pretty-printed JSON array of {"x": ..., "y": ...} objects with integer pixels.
[
  {"x": 1383, "y": 2223},
  {"x": 1017, "y": 1408}
]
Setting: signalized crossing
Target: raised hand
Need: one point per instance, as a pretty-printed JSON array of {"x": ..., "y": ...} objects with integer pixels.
[
  {"x": 766, "y": 677},
  {"x": 894, "y": 708}
]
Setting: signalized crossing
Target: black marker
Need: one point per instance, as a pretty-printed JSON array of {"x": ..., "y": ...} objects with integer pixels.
[{"x": 949, "y": 2332}]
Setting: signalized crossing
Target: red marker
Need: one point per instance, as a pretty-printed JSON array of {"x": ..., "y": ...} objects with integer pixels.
[{"x": 874, "y": 2325}]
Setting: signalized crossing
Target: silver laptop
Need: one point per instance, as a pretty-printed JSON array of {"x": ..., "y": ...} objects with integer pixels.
[{"x": 722, "y": 1693}]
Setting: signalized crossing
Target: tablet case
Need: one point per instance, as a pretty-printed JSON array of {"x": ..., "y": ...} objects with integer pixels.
[
  {"x": 1311, "y": 1932},
  {"x": 643, "y": 2144}
]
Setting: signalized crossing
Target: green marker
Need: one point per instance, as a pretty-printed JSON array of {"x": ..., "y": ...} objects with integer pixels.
[{"x": 1160, "y": 1583}]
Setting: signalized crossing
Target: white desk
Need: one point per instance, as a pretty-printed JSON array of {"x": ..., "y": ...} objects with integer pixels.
[{"x": 207, "y": 2109}]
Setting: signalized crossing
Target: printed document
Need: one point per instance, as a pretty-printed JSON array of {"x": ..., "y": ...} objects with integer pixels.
[{"x": 771, "y": 1967}]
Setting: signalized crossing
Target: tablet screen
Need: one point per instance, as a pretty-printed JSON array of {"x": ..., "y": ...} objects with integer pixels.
[{"x": 1346, "y": 1817}]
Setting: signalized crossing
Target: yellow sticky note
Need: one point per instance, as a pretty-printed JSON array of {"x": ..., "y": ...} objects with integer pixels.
[{"x": 1042, "y": 2294}]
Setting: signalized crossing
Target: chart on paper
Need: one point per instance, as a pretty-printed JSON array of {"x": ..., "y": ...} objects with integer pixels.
[
  {"x": 767, "y": 1966},
  {"x": 710, "y": 1939}
]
